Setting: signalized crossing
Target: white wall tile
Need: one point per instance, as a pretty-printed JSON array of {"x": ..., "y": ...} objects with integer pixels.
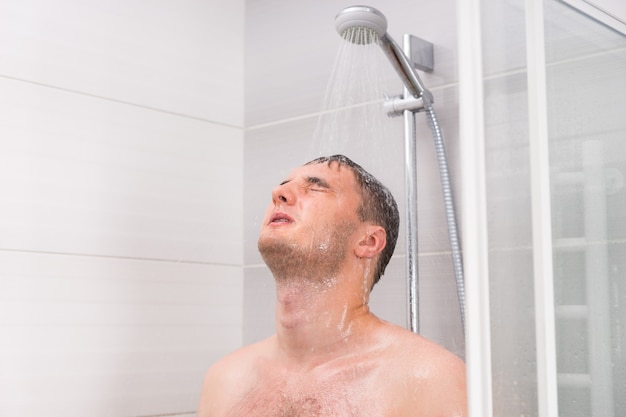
[
  {"x": 104, "y": 336},
  {"x": 259, "y": 304},
  {"x": 90, "y": 176},
  {"x": 440, "y": 316},
  {"x": 388, "y": 299},
  {"x": 120, "y": 137},
  {"x": 183, "y": 57}
]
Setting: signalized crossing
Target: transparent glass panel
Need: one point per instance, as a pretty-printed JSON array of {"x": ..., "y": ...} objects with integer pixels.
[
  {"x": 511, "y": 287},
  {"x": 586, "y": 92},
  {"x": 586, "y": 95}
]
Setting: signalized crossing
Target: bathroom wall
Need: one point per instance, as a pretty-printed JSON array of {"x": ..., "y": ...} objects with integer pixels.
[
  {"x": 120, "y": 241},
  {"x": 290, "y": 53}
]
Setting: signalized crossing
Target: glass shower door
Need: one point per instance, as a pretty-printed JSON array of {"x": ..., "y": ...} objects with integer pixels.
[
  {"x": 579, "y": 363},
  {"x": 586, "y": 100}
]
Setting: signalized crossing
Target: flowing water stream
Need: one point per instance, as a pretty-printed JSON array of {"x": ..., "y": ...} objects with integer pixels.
[{"x": 352, "y": 120}]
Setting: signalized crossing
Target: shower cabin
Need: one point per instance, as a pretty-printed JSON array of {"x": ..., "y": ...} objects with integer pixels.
[
  {"x": 545, "y": 285},
  {"x": 530, "y": 96}
]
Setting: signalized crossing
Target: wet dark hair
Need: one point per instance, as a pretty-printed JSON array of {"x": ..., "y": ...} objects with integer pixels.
[{"x": 377, "y": 206}]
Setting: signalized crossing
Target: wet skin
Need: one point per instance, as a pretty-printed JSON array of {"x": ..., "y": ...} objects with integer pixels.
[{"x": 330, "y": 355}]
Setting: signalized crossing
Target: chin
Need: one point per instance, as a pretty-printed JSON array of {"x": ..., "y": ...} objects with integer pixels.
[{"x": 270, "y": 243}]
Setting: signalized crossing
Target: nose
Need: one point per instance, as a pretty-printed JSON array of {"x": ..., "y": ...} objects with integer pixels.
[{"x": 282, "y": 194}]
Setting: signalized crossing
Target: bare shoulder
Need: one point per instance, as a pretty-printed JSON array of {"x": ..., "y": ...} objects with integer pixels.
[
  {"x": 228, "y": 379},
  {"x": 429, "y": 358},
  {"x": 433, "y": 377}
]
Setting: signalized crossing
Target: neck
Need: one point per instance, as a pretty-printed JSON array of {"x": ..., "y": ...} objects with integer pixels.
[{"x": 316, "y": 322}]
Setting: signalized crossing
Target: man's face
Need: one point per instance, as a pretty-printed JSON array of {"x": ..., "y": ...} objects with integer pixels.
[{"x": 311, "y": 220}]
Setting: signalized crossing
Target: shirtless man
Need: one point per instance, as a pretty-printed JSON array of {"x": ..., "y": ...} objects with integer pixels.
[{"x": 327, "y": 237}]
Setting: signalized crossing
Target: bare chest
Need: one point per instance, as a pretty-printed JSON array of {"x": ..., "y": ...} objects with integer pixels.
[{"x": 311, "y": 396}]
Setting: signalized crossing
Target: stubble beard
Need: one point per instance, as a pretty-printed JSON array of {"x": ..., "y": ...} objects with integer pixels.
[{"x": 318, "y": 261}]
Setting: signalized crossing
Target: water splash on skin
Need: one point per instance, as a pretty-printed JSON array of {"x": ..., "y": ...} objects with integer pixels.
[
  {"x": 366, "y": 284},
  {"x": 316, "y": 262},
  {"x": 344, "y": 331}
]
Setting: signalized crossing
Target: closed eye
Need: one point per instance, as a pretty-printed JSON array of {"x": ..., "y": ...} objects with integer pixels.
[{"x": 317, "y": 184}]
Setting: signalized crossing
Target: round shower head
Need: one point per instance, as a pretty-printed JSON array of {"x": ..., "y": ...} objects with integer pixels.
[{"x": 363, "y": 17}]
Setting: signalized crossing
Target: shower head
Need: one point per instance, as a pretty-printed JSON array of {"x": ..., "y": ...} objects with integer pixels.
[
  {"x": 365, "y": 18},
  {"x": 365, "y": 24}
]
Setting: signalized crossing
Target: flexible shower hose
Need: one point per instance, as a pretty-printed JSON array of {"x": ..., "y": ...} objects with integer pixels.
[{"x": 455, "y": 248}]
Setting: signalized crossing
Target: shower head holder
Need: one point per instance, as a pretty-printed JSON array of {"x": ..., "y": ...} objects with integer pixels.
[{"x": 395, "y": 106}]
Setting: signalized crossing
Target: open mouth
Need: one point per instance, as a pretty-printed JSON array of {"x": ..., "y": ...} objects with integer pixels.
[{"x": 280, "y": 218}]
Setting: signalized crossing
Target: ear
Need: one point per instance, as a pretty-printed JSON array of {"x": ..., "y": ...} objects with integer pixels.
[{"x": 373, "y": 241}]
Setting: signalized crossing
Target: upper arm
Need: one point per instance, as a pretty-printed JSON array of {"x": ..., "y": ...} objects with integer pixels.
[
  {"x": 219, "y": 389},
  {"x": 210, "y": 396}
]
